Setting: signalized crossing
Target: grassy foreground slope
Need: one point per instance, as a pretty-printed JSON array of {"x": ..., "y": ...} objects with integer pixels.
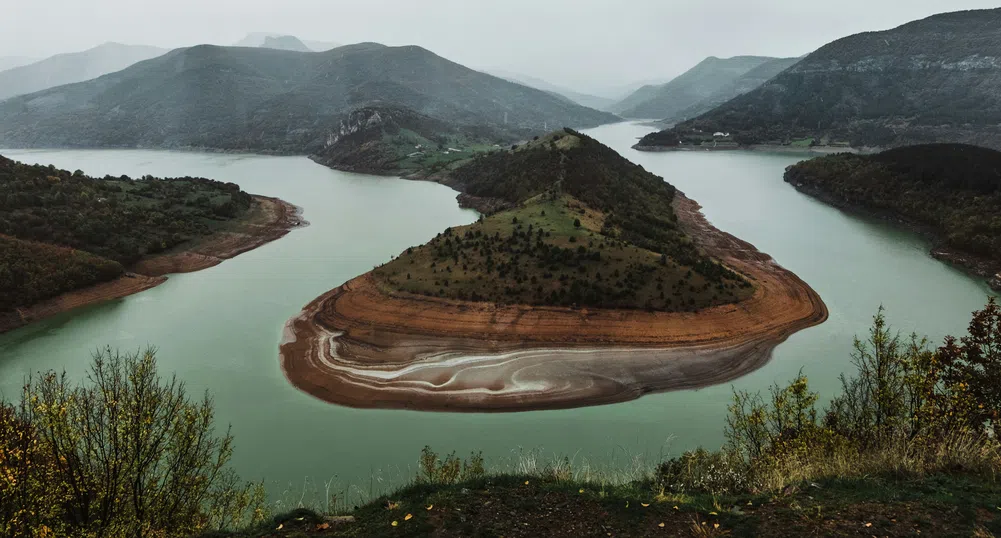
[
  {"x": 583, "y": 227},
  {"x": 952, "y": 190}
]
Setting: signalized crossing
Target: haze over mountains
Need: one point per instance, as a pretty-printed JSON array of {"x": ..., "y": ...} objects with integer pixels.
[
  {"x": 72, "y": 67},
  {"x": 747, "y": 82},
  {"x": 933, "y": 80},
  {"x": 701, "y": 82},
  {"x": 592, "y": 101},
  {"x": 285, "y": 42},
  {"x": 10, "y": 62},
  {"x": 272, "y": 100},
  {"x": 268, "y": 40}
]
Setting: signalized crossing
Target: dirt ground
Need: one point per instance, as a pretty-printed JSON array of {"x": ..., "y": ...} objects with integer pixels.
[{"x": 363, "y": 346}]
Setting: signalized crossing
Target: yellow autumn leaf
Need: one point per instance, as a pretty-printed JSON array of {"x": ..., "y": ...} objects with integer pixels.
[
  {"x": 867, "y": 525},
  {"x": 430, "y": 506},
  {"x": 526, "y": 482},
  {"x": 644, "y": 505},
  {"x": 582, "y": 491},
  {"x": 661, "y": 525},
  {"x": 409, "y": 517},
  {"x": 280, "y": 525},
  {"x": 395, "y": 523},
  {"x": 715, "y": 525},
  {"x": 675, "y": 507},
  {"x": 713, "y": 514}
]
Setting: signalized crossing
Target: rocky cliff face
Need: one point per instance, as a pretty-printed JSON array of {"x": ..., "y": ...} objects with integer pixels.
[{"x": 356, "y": 122}]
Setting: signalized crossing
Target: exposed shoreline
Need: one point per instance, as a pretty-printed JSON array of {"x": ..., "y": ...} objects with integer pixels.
[
  {"x": 272, "y": 219},
  {"x": 972, "y": 264},
  {"x": 361, "y": 346},
  {"x": 764, "y": 148}
]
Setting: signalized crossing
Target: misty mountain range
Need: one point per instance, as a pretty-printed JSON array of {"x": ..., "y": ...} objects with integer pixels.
[
  {"x": 270, "y": 40},
  {"x": 706, "y": 79},
  {"x": 592, "y": 101},
  {"x": 261, "y": 99},
  {"x": 10, "y": 62},
  {"x": 932, "y": 80},
  {"x": 72, "y": 67}
]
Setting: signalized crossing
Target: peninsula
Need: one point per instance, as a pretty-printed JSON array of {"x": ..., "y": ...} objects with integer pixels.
[
  {"x": 951, "y": 193},
  {"x": 69, "y": 240},
  {"x": 589, "y": 281}
]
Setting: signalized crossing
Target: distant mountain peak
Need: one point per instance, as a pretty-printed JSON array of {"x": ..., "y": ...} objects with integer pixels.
[
  {"x": 285, "y": 42},
  {"x": 257, "y": 40},
  {"x": 72, "y": 67},
  {"x": 249, "y": 98},
  {"x": 688, "y": 89}
]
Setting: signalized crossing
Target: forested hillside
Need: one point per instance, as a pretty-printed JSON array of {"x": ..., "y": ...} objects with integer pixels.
[
  {"x": 933, "y": 80},
  {"x": 583, "y": 227},
  {"x": 62, "y": 231},
  {"x": 262, "y": 99},
  {"x": 953, "y": 189}
]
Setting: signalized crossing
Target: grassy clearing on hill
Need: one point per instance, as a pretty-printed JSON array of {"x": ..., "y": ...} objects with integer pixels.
[
  {"x": 587, "y": 229},
  {"x": 553, "y": 250}
]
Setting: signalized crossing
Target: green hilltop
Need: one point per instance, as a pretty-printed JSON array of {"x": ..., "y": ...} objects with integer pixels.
[{"x": 578, "y": 226}]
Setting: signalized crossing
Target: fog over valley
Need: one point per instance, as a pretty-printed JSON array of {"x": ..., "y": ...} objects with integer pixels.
[{"x": 592, "y": 46}]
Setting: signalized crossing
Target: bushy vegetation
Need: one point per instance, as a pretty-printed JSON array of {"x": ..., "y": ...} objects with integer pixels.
[
  {"x": 908, "y": 411},
  {"x": 555, "y": 250},
  {"x": 953, "y": 189},
  {"x": 125, "y": 453},
  {"x": 636, "y": 203},
  {"x": 31, "y": 272},
  {"x": 121, "y": 219},
  {"x": 61, "y": 231}
]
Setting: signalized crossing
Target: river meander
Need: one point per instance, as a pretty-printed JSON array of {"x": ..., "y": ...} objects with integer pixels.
[{"x": 219, "y": 329}]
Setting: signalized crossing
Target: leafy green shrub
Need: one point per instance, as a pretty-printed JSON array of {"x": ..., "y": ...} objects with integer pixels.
[
  {"x": 450, "y": 470},
  {"x": 721, "y": 472},
  {"x": 125, "y": 453}
]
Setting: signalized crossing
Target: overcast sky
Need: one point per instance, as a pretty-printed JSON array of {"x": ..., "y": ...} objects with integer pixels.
[{"x": 587, "y": 44}]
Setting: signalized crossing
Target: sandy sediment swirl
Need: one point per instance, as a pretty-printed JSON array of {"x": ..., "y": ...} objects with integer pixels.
[{"x": 361, "y": 346}]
